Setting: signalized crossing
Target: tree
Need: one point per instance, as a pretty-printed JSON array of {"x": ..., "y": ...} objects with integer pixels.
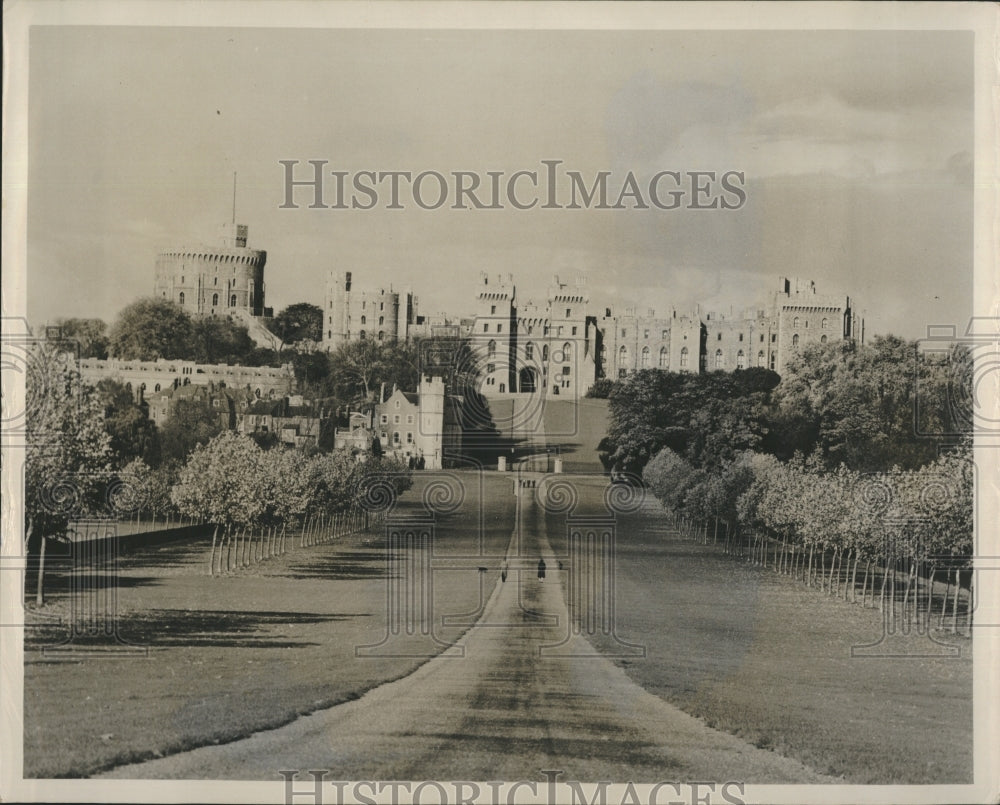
[
  {"x": 152, "y": 328},
  {"x": 68, "y": 453},
  {"x": 356, "y": 367},
  {"x": 224, "y": 482},
  {"x": 132, "y": 433},
  {"x": 91, "y": 335},
  {"x": 219, "y": 339},
  {"x": 299, "y": 322},
  {"x": 191, "y": 422}
]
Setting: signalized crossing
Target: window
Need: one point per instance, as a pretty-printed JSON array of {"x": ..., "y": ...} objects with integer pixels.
[
  {"x": 493, "y": 310},
  {"x": 361, "y": 335},
  {"x": 397, "y": 405},
  {"x": 665, "y": 335},
  {"x": 795, "y": 340},
  {"x": 499, "y": 328},
  {"x": 774, "y": 337},
  {"x": 762, "y": 338},
  {"x": 491, "y": 348},
  {"x": 569, "y": 312},
  {"x": 395, "y": 437},
  {"x": 664, "y": 358},
  {"x": 215, "y": 280},
  {"x": 409, "y": 437},
  {"x": 823, "y": 340},
  {"x": 645, "y": 333},
  {"x": 215, "y": 300},
  {"x": 409, "y": 419},
  {"x": 383, "y": 436},
  {"x": 384, "y": 419},
  {"x": 381, "y": 305},
  {"x": 491, "y": 368},
  {"x": 565, "y": 370},
  {"x": 623, "y": 332},
  {"x": 795, "y": 322},
  {"x": 644, "y": 357},
  {"x": 232, "y": 300},
  {"x": 381, "y": 319},
  {"x": 684, "y": 358},
  {"x": 395, "y": 419},
  {"x": 567, "y": 351},
  {"x": 718, "y": 336},
  {"x": 622, "y": 356},
  {"x": 825, "y": 324},
  {"x": 760, "y": 358},
  {"x": 773, "y": 361},
  {"x": 741, "y": 336},
  {"x": 741, "y": 360},
  {"x": 364, "y": 320},
  {"x": 529, "y": 351},
  {"x": 486, "y": 328},
  {"x": 381, "y": 335},
  {"x": 574, "y": 331},
  {"x": 719, "y": 360},
  {"x": 503, "y": 388},
  {"x": 180, "y": 298},
  {"x": 622, "y": 373},
  {"x": 545, "y": 352}
]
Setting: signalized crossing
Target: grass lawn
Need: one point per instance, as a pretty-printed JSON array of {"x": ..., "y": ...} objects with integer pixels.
[
  {"x": 232, "y": 655},
  {"x": 761, "y": 656}
]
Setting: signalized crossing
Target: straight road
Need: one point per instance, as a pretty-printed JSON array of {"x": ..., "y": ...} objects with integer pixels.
[{"x": 504, "y": 709}]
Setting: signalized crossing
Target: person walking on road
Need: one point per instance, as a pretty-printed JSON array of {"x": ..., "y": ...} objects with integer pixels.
[{"x": 541, "y": 570}]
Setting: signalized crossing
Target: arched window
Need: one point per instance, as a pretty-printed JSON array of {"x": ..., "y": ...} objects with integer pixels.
[
  {"x": 529, "y": 351},
  {"x": 381, "y": 319},
  {"x": 825, "y": 324},
  {"x": 491, "y": 348},
  {"x": 741, "y": 360},
  {"x": 156, "y": 387},
  {"x": 180, "y": 297},
  {"x": 232, "y": 300},
  {"x": 567, "y": 351},
  {"x": 719, "y": 360},
  {"x": 795, "y": 322},
  {"x": 684, "y": 358},
  {"x": 215, "y": 300},
  {"x": 664, "y": 358},
  {"x": 545, "y": 352},
  {"x": 795, "y": 340},
  {"x": 362, "y": 335},
  {"x": 823, "y": 340},
  {"x": 381, "y": 335},
  {"x": 760, "y": 358},
  {"x": 364, "y": 320},
  {"x": 623, "y": 356},
  {"x": 644, "y": 357}
]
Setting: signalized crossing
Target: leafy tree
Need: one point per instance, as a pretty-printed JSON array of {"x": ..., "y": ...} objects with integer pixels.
[
  {"x": 299, "y": 322},
  {"x": 225, "y": 483},
  {"x": 219, "y": 339},
  {"x": 357, "y": 369},
  {"x": 132, "y": 433},
  {"x": 602, "y": 389},
  {"x": 68, "y": 453},
  {"x": 90, "y": 334},
  {"x": 191, "y": 422},
  {"x": 152, "y": 328}
]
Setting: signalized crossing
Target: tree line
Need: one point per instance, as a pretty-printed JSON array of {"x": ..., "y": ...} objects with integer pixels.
[{"x": 850, "y": 469}]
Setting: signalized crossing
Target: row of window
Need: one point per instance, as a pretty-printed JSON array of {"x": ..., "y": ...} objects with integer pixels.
[
  {"x": 215, "y": 299},
  {"x": 384, "y": 419},
  {"x": 645, "y": 357}
]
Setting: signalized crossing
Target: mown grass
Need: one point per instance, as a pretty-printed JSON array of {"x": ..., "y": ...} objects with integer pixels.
[
  {"x": 229, "y": 656},
  {"x": 763, "y": 657}
]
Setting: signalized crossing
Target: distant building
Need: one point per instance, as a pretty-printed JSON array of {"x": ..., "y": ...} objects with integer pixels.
[
  {"x": 147, "y": 377},
  {"x": 425, "y": 424},
  {"x": 224, "y": 280},
  {"x": 226, "y": 402},
  {"x": 293, "y": 422},
  {"x": 353, "y": 314}
]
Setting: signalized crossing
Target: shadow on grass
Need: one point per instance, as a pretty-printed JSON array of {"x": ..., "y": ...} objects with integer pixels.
[
  {"x": 163, "y": 628},
  {"x": 342, "y": 566}
]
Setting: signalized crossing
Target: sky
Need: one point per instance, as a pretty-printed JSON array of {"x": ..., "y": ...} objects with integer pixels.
[{"x": 856, "y": 149}]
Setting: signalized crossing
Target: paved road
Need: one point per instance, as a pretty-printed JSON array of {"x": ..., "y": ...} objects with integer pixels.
[{"x": 503, "y": 710}]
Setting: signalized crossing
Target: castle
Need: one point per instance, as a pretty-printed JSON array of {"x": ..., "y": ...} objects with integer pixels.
[{"x": 558, "y": 348}]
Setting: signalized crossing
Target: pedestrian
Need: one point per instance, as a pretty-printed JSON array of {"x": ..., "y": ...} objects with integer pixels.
[{"x": 541, "y": 570}]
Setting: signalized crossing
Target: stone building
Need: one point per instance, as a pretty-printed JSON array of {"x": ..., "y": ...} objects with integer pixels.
[
  {"x": 220, "y": 280},
  {"x": 423, "y": 424},
  {"x": 147, "y": 377},
  {"x": 353, "y": 314}
]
